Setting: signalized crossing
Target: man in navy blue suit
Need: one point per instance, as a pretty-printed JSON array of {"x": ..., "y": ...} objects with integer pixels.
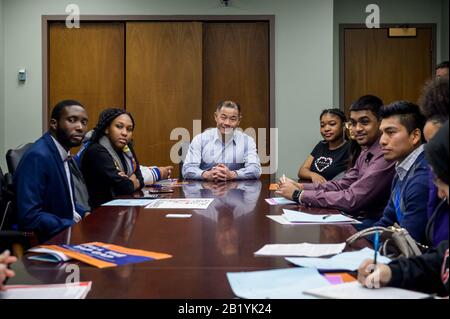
[{"x": 44, "y": 184}]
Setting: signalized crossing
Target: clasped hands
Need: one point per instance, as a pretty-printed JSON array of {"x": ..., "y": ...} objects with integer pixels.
[{"x": 219, "y": 173}]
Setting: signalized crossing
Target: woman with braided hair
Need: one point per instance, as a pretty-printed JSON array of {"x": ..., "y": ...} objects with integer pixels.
[{"x": 109, "y": 164}]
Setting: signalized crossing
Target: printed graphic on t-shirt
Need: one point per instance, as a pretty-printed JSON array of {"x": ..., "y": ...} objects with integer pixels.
[{"x": 322, "y": 163}]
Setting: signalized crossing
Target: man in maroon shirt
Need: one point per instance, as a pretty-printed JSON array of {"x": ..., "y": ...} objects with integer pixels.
[{"x": 365, "y": 188}]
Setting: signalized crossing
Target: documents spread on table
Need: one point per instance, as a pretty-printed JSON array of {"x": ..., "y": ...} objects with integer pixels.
[
  {"x": 97, "y": 254},
  {"x": 354, "y": 290},
  {"x": 345, "y": 261},
  {"x": 128, "y": 202},
  {"x": 293, "y": 217},
  {"x": 180, "y": 203},
  {"x": 280, "y": 201},
  {"x": 304, "y": 249},
  {"x": 77, "y": 290},
  {"x": 276, "y": 284}
]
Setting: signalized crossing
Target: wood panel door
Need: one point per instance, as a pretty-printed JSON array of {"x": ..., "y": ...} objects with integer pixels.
[
  {"x": 163, "y": 84},
  {"x": 87, "y": 64},
  {"x": 392, "y": 68},
  {"x": 236, "y": 67}
]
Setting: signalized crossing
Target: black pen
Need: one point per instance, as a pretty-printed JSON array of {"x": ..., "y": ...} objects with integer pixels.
[{"x": 326, "y": 216}]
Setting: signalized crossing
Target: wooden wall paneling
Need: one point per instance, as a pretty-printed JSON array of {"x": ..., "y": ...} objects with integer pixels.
[
  {"x": 391, "y": 68},
  {"x": 163, "y": 84},
  {"x": 236, "y": 67},
  {"x": 87, "y": 64}
]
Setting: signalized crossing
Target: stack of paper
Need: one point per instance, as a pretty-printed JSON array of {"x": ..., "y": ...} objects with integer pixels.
[
  {"x": 77, "y": 290},
  {"x": 276, "y": 284},
  {"x": 354, "y": 290},
  {"x": 180, "y": 203},
  {"x": 296, "y": 217},
  {"x": 346, "y": 261},
  {"x": 305, "y": 249}
]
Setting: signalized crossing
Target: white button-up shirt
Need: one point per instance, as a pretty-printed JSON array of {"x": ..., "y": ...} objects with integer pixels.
[
  {"x": 64, "y": 156},
  {"x": 208, "y": 150}
]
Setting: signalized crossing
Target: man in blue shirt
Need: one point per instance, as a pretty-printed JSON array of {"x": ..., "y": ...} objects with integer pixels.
[
  {"x": 402, "y": 141},
  {"x": 223, "y": 153},
  {"x": 44, "y": 184}
]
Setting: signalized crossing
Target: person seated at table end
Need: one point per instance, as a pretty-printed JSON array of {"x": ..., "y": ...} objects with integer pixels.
[{"x": 225, "y": 152}]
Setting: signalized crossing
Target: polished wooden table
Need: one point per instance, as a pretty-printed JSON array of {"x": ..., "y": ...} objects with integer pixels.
[{"x": 220, "y": 239}]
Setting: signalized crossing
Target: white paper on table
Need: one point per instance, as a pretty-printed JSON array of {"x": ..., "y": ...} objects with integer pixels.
[
  {"x": 286, "y": 283},
  {"x": 279, "y": 201},
  {"x": 300, "y": 217},
  {"x": 354, "y": 290},
  {"x": 283, "y": 221},
  {"x": 304, "y": 249},
  {"x": 129, "y": 202},
  {"x": 179, "y": 215},
  {"x": 345, "y": 261},
  {"x": 180, "y": 203},
  {"x": 78, "y": 290}
]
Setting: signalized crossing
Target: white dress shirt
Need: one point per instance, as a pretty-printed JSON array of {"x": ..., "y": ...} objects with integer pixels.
[
  {"x": 208, "y": 150},
  {"x": 64, "y": 157}
]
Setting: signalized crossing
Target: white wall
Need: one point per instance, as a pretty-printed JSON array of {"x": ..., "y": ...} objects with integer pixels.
[
  {"x": 445, "y": 41},
  {"x": 391, "y": 11},
  {"x": 2, "y": 98},
  {"x": 304, "y": 64}
]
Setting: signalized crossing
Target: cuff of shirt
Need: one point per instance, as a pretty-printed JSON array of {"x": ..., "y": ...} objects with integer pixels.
[
  {"x": 307, "y": 198},
  {"x": 309, "y": 186},
  {"x": 396, "y": 275}
]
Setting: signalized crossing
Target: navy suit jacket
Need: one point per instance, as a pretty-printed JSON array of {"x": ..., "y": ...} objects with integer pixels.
[{"x": 42, "y": 191}]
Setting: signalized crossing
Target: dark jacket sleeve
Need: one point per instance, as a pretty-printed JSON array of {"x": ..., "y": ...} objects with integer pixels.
[
  {"x": 30, "y": 180},
  {"x": 99, "y": 162},
  {"x": 427, "y": 273},
  {"x": 389, "y": 216}
]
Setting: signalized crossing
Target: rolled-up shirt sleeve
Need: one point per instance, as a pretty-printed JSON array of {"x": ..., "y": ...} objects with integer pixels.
[{"x": 366, "y": 189}]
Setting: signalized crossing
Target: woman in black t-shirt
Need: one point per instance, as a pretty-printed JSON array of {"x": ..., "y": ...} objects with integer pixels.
[{"x": 330, "y": 157}]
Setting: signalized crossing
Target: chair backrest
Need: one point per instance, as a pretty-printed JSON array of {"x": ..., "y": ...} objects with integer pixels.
[
  {"x": 6, "y": 200},
  {"x": 14, "y": 156}
]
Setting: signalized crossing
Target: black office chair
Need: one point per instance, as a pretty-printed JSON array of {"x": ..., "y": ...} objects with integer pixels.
[
  {"x": 10, "y": 238},
  {"x": 14, "y": 156}
]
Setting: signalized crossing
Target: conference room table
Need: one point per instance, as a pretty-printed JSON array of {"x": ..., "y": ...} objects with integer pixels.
[{"x": 205, "y": 247}]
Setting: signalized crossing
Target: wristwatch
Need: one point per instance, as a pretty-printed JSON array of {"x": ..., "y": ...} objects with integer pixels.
[{"x": 296, "y": 195}]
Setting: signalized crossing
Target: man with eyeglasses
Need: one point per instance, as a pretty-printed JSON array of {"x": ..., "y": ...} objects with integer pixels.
[
  {"x": 364, "y": 190},
  {"x": 223, "y": 153}
]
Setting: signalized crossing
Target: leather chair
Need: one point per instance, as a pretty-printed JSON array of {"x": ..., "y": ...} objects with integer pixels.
[
  {"x": 15, "y": 240},
  {"x": 13, "y": 157}
]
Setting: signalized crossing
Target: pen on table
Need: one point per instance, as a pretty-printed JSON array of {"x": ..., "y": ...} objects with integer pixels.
[{"x": 326, "y": 216}]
